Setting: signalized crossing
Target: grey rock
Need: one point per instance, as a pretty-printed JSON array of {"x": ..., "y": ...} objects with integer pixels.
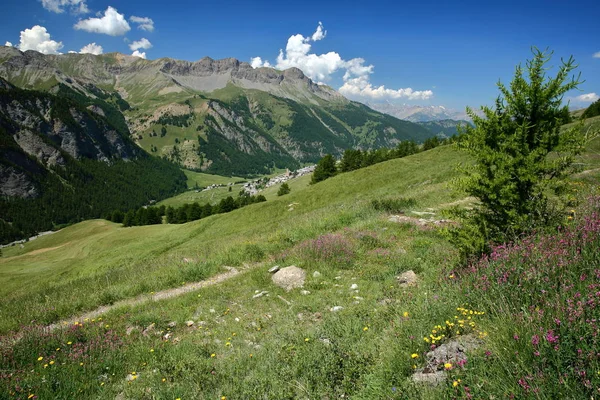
[
  {"x": 290, "y": 278},
  {"x": 336, "y": 308},
  {"x": 260, "y": 294},
  {"x": 433, "y": 378},
  {"x": 453, "y": 351},
  {"x": 316, "y": 274},
  {"x": 408, "y": 278},
  {"x": 149, "y": 330},
  {"x": 274, "y": 269}
]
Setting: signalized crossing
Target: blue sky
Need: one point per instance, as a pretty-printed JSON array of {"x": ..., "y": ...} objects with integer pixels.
[{"x": 449, "y": 54}]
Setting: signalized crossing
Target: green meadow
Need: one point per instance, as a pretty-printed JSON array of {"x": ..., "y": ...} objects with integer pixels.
[{"x": 281, "y": 345}]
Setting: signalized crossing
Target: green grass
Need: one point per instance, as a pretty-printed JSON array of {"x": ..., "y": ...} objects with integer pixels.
[
  {"x": 203, "y": 180},
  {"x": 106, "y": 261},
  {"x": 241, "y": 347}
]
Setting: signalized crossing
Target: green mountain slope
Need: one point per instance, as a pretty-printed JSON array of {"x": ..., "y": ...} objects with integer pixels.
[
  {"x": 61, "y": 162},
  {"x": 219, "y": 116}
]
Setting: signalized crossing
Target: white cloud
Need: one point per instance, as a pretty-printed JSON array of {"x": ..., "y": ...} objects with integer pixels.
[
  {"x": 319, "y": 33},
  {"x": 144, "y": 23},
  {"x": 321, "y": 67},
  {"x": 91, "y": 48},
  {"x": 112, "y": 23},
  {"x": 596, "y": 55},
  {"x": 8, "y": 44},
  {"x": 139, "y": 54},
  {"x": 38, "y": 39},
  {"x": 586, "y": 98},
  {"x": 257, "y": 62},
  {"x": 59, "y": 6},
  {"x": 360, "y": 87},
  {"x": 143, "y": 43}
]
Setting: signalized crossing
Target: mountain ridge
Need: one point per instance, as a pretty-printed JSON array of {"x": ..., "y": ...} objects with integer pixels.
[{"x": 219, "y": 116}]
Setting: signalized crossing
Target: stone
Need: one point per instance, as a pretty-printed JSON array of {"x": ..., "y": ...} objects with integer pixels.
[
  {"x": 316, "y": 274},
  {"x": 260, "y": 294},
  {"x": 172, "y": 324},
  {"x": 354, "y": 286},
  {"x": 408, "y": 278},
  {"x": 274, "y": 269},
  {"x": 149, "y": 329},
  {"x": 453, "y": 351},
  {"x": 336, "y": 308},
  {"x": 131, "y": 377},
  {"x": 131, "y": 329},
  {"x": 433, "y": 378},
  {"x": 305, "y": 292},
  {"x": 290, "y": 277},
  {"x": 189, "y": 323}
]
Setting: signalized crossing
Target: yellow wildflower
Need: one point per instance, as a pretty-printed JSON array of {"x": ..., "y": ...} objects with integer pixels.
[
  {"x": 447, "y": 366},
  {"x": 366, "y": 328},
  {"x": 213, "y": 355},
  {"x": 454, "y": 384},
  {"x": 306, "y": 339},
  {"x": 40, "y": 358},
  {"x": 405, "y": 314},
  {"x": 52, "y": 362},
  {"x": 414, "y": 355}
]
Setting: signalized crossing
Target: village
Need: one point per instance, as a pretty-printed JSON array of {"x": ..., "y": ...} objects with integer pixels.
[{"x": 255, "y": 186}]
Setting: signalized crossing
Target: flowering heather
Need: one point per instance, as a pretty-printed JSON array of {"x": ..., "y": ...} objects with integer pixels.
[
  {"x": 549, "y": 286},
  {"x": 333, "y": 249}
]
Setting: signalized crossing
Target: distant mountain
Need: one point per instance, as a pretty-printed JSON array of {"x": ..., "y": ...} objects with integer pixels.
[
  {"x": 220, "y": 116},
  {"x": 419, "y": 113},
  {"x": 61, "y": 162},
  {"x": 444, "y": 128}
]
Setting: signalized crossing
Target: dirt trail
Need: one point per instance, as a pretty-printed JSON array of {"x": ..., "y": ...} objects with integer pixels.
[{"x": 145, "y": 298}]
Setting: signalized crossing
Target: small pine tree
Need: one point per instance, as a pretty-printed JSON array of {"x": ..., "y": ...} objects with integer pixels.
[
  {"x": 129, "y": 219},
  {"x": 519, "y": 151},
  {"x": 283, "y": 189},
  {"x": 325, "y": 169}
]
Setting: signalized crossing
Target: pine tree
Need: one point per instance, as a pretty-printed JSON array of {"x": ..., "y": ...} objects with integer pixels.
[
  {"x": 520, "y": 153},
  {"x": 325, "y": 169},
  {"x": 283, "y": 189}
]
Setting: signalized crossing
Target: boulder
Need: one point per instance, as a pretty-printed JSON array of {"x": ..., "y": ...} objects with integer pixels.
[
  {"x": 290, "y": 277},
  {"x": 408, "y": 278}
]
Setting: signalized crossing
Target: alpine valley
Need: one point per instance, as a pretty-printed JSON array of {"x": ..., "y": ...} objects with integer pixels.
[
  {"x": 218, "y": 116},
  {"x": 84, "y": 134}
]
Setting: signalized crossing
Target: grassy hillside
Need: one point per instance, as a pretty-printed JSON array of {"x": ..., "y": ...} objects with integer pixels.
[
  {"x": 130, "y": 259},
  {"x": 290, "y": 344},
  {"x": 201, "y": 179}
]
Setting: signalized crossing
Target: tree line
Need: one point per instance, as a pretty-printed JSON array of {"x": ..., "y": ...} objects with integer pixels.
[
  {"x": 179, "y": 215},
  {"x": 354, "y": 159}
]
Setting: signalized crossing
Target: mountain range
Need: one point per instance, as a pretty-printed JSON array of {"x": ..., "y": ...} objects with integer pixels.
[
  {"x": 219, "y": 116},
  {"x": 416, "y": 113}
]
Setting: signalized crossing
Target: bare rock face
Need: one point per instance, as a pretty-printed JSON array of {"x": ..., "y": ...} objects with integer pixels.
[
  {"x": 33, "y": 145},
  {"x": 290, "y": 277},
  {"x": 16, "y": 184}
]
